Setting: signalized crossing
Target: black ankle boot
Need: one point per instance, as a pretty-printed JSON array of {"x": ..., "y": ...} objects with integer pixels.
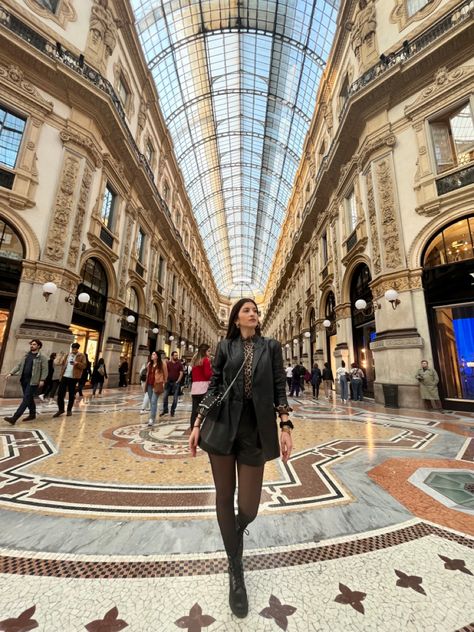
[{"x": 237, "y": 592}]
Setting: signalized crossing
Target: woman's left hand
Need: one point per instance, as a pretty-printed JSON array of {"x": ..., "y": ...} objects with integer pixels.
[{"x": 286, "y": 446}]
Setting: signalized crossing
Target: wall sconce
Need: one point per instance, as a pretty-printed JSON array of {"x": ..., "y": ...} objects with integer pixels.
[
  {"x": 171, "y": 338},
  {"x": 191, "y": 348},
  {"x": 391, "y": 296},
  {"x": 49, "y": 288},
  {"x": 83, "y": 297},
  {"x": 287, "y": 346},
  {"x": 366, "y": 309},
  {"x": 155, "y": 330},
  {"x": 307, "y": 334},
  {"x": 130, "y": 319},
  {"x": 326, "y": 323},
  {"x": 182, "y": 343},
  {"x": 295, "y": 341}
]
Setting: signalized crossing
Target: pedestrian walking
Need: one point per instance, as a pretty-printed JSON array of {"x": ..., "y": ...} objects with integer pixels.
[
  {"x": 98, "y": 377},
  {"x": 71, "y": 371},
  {"x": 289, "y": 375},
  {"x": 201, "y": 374},
  {"x": 295, "y": 381},
  {"x": 249, "y": 413},
  {"x": 328, "y": 380},
  {"x": 146, "y": 400},
  {"x": 175, "y": 375},
  {"x": 123, "y": 371},
  {"x": 156, "y": 377},
  {"x": 86, "y": 374},
  {"x": 48, "y": 382},
  {"x": 33, "y": 369}
]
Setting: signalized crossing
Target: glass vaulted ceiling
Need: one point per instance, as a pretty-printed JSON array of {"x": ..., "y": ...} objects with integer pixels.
[{"x": 237, "y": 82}]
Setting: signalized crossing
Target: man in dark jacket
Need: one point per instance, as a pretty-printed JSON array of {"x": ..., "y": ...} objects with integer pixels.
[{"x": 33, "y": 369}]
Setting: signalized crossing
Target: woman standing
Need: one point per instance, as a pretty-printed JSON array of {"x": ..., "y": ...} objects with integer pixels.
[
  {"x": 99, "y": 375},
  {"x": 316, "y": 378},
  {"x": 341, "y": 376},
  {"x": 249, "y": 413},
  {"x": 357, "y": 375},
  {"x": 156, "y": 376},
  {"x": 201, "y": 374},
  {"x": 328, "y": 379}
]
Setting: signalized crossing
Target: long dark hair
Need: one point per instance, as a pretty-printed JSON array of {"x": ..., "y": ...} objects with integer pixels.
[
  {"x": 159, "y": 361},
  {"x": 232, "y": 330}
]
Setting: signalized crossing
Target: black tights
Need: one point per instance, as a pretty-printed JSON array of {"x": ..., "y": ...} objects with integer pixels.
[{"x": 250, "y": 479}]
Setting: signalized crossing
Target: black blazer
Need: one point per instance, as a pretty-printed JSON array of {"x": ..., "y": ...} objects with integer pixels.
[{"x": 268, "y": 387}]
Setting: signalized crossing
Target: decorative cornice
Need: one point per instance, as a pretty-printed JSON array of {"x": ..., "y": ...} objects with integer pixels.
[
  {"x": 14, "y": 76},
  {"x": 73, "y": 138}
]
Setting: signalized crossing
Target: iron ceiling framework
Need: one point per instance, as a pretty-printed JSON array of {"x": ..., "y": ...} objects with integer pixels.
[{"x": 237, "y": 83}]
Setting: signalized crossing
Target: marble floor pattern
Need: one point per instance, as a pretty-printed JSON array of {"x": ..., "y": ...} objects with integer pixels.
[{"x": 106, "y": 524}]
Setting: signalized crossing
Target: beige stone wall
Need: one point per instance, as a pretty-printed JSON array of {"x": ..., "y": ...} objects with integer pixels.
[
  {"x": 73, "y": 145},
  {"x": 375, "y": 142}
]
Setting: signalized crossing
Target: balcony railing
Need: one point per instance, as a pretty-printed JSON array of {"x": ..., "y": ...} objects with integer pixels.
[
  {"x": 351, "y": 241},
  {"x": 106, "y": 237},
  {"x": 456, "y": 180},
  {"x": 459, "y": 14},
  {"x": 76, "y": 63}
]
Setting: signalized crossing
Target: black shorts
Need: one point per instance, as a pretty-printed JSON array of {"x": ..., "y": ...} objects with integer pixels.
[{"x": 247, "y": 446}]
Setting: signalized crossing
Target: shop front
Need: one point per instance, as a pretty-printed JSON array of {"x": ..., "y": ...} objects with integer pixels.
[
  {"x": 331, "y": 330},
  {"x": 12, "y": 253},
  {"x": 88, "y": 318},
  {"x": 448, "y": 281},
  {"x": 363, "y": 325}
]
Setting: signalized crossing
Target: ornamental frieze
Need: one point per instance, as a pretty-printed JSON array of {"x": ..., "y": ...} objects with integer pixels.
[
  {"x": 373, "y": 225},
  {"x": 408, "y": 281},
  {"x": 63, "y": 210},
  {"x": 74, "y": 138},
  {"x": 388, "y": 219},
  {"x": 125, "y": 257},
  {"x": 74, "y": 246},
  {"x": 444, "y": 81},
  {"x": 14, "y": 76}
]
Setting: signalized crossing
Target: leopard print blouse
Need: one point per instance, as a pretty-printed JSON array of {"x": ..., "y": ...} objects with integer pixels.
[{"x": 249, "y": 346}]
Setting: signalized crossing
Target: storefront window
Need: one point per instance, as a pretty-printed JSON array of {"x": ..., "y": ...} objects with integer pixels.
[{"x": 453, "y": 244}]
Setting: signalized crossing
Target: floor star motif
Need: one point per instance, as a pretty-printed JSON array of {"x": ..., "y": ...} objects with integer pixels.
[
  {"x": 23, "y": 623},
  {"x": 109, "y": 623},
  {"x": 455, "y": 565},
  {"x": 195, "y": 621},
  {"x": 278, "y": 611},
  {"x": 410, "y": 581},
  {"x": 353, "y": 598}
]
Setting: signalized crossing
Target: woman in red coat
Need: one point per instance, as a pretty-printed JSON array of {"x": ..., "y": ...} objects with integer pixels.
[{"x": 201, "y": 374}]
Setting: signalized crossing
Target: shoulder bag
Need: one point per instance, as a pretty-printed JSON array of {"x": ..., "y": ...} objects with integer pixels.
[{"x": 214, "y": 434}]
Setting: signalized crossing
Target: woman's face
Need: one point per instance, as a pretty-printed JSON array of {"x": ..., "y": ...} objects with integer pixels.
[
  {"x": 154, "y": 356},
  {"x": 208, "y": 353},
  {"x": 248, "y": 315}
]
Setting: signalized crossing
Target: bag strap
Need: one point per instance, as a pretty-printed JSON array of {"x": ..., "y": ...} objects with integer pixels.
[{"x": 233, "y": 382}]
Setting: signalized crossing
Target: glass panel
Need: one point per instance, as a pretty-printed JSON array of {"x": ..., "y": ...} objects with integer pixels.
[
  {"x": 455, "y": 349},
  {"x": 237, "y": 85},
  {"x": 413, "y": 6},
  {"x": 10, "y": 244},
  {"x": 462, "y": 130},
  {"x": 51, "y": 5},
  {"x": 132, "y": 300},
  {"x": 351, "y": 211},
  {"x": 442, "y": 146},
  {"x": 457, "y": 240},
  {"x": 11, "y": 132},
  {"x": 435, "y": 253},
  {"x": 108, "y": 204}
]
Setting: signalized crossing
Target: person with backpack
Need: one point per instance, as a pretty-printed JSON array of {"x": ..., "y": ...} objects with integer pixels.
[{"x": 296, "y": 380}]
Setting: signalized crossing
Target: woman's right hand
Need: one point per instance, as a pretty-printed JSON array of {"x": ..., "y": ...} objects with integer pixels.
[{"x": 193, "y": 441}]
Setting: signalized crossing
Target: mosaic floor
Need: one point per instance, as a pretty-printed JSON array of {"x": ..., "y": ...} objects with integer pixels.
[{"x": 109, "y": 525}]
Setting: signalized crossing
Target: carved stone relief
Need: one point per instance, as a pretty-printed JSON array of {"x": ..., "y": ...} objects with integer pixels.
[
  {"x": 63, "y": 209},
  {"x": 126, "y": 256},
  {"x": 75, "y": 245},
  {"x": 363, "y": 31},
  {"x": 15, "y": 77},
  {"x": 388, "y": 215},
  {"x": 102, "y": 37},
  {"x": 373, "y": 225},
  {"x": 67, "y": 136},
  {"x": 399, "y": 14}
]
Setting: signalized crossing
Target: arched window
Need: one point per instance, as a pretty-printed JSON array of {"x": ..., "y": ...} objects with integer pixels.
[
  {"x": 360, "y": 288},
  {"x": 454, "y": 243},
  {"x": 11, "y": 246},
  {"x": 330, "y": 313},
  {"x": 132, "y": 300},
  {"x": 94, "y": 282}
]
